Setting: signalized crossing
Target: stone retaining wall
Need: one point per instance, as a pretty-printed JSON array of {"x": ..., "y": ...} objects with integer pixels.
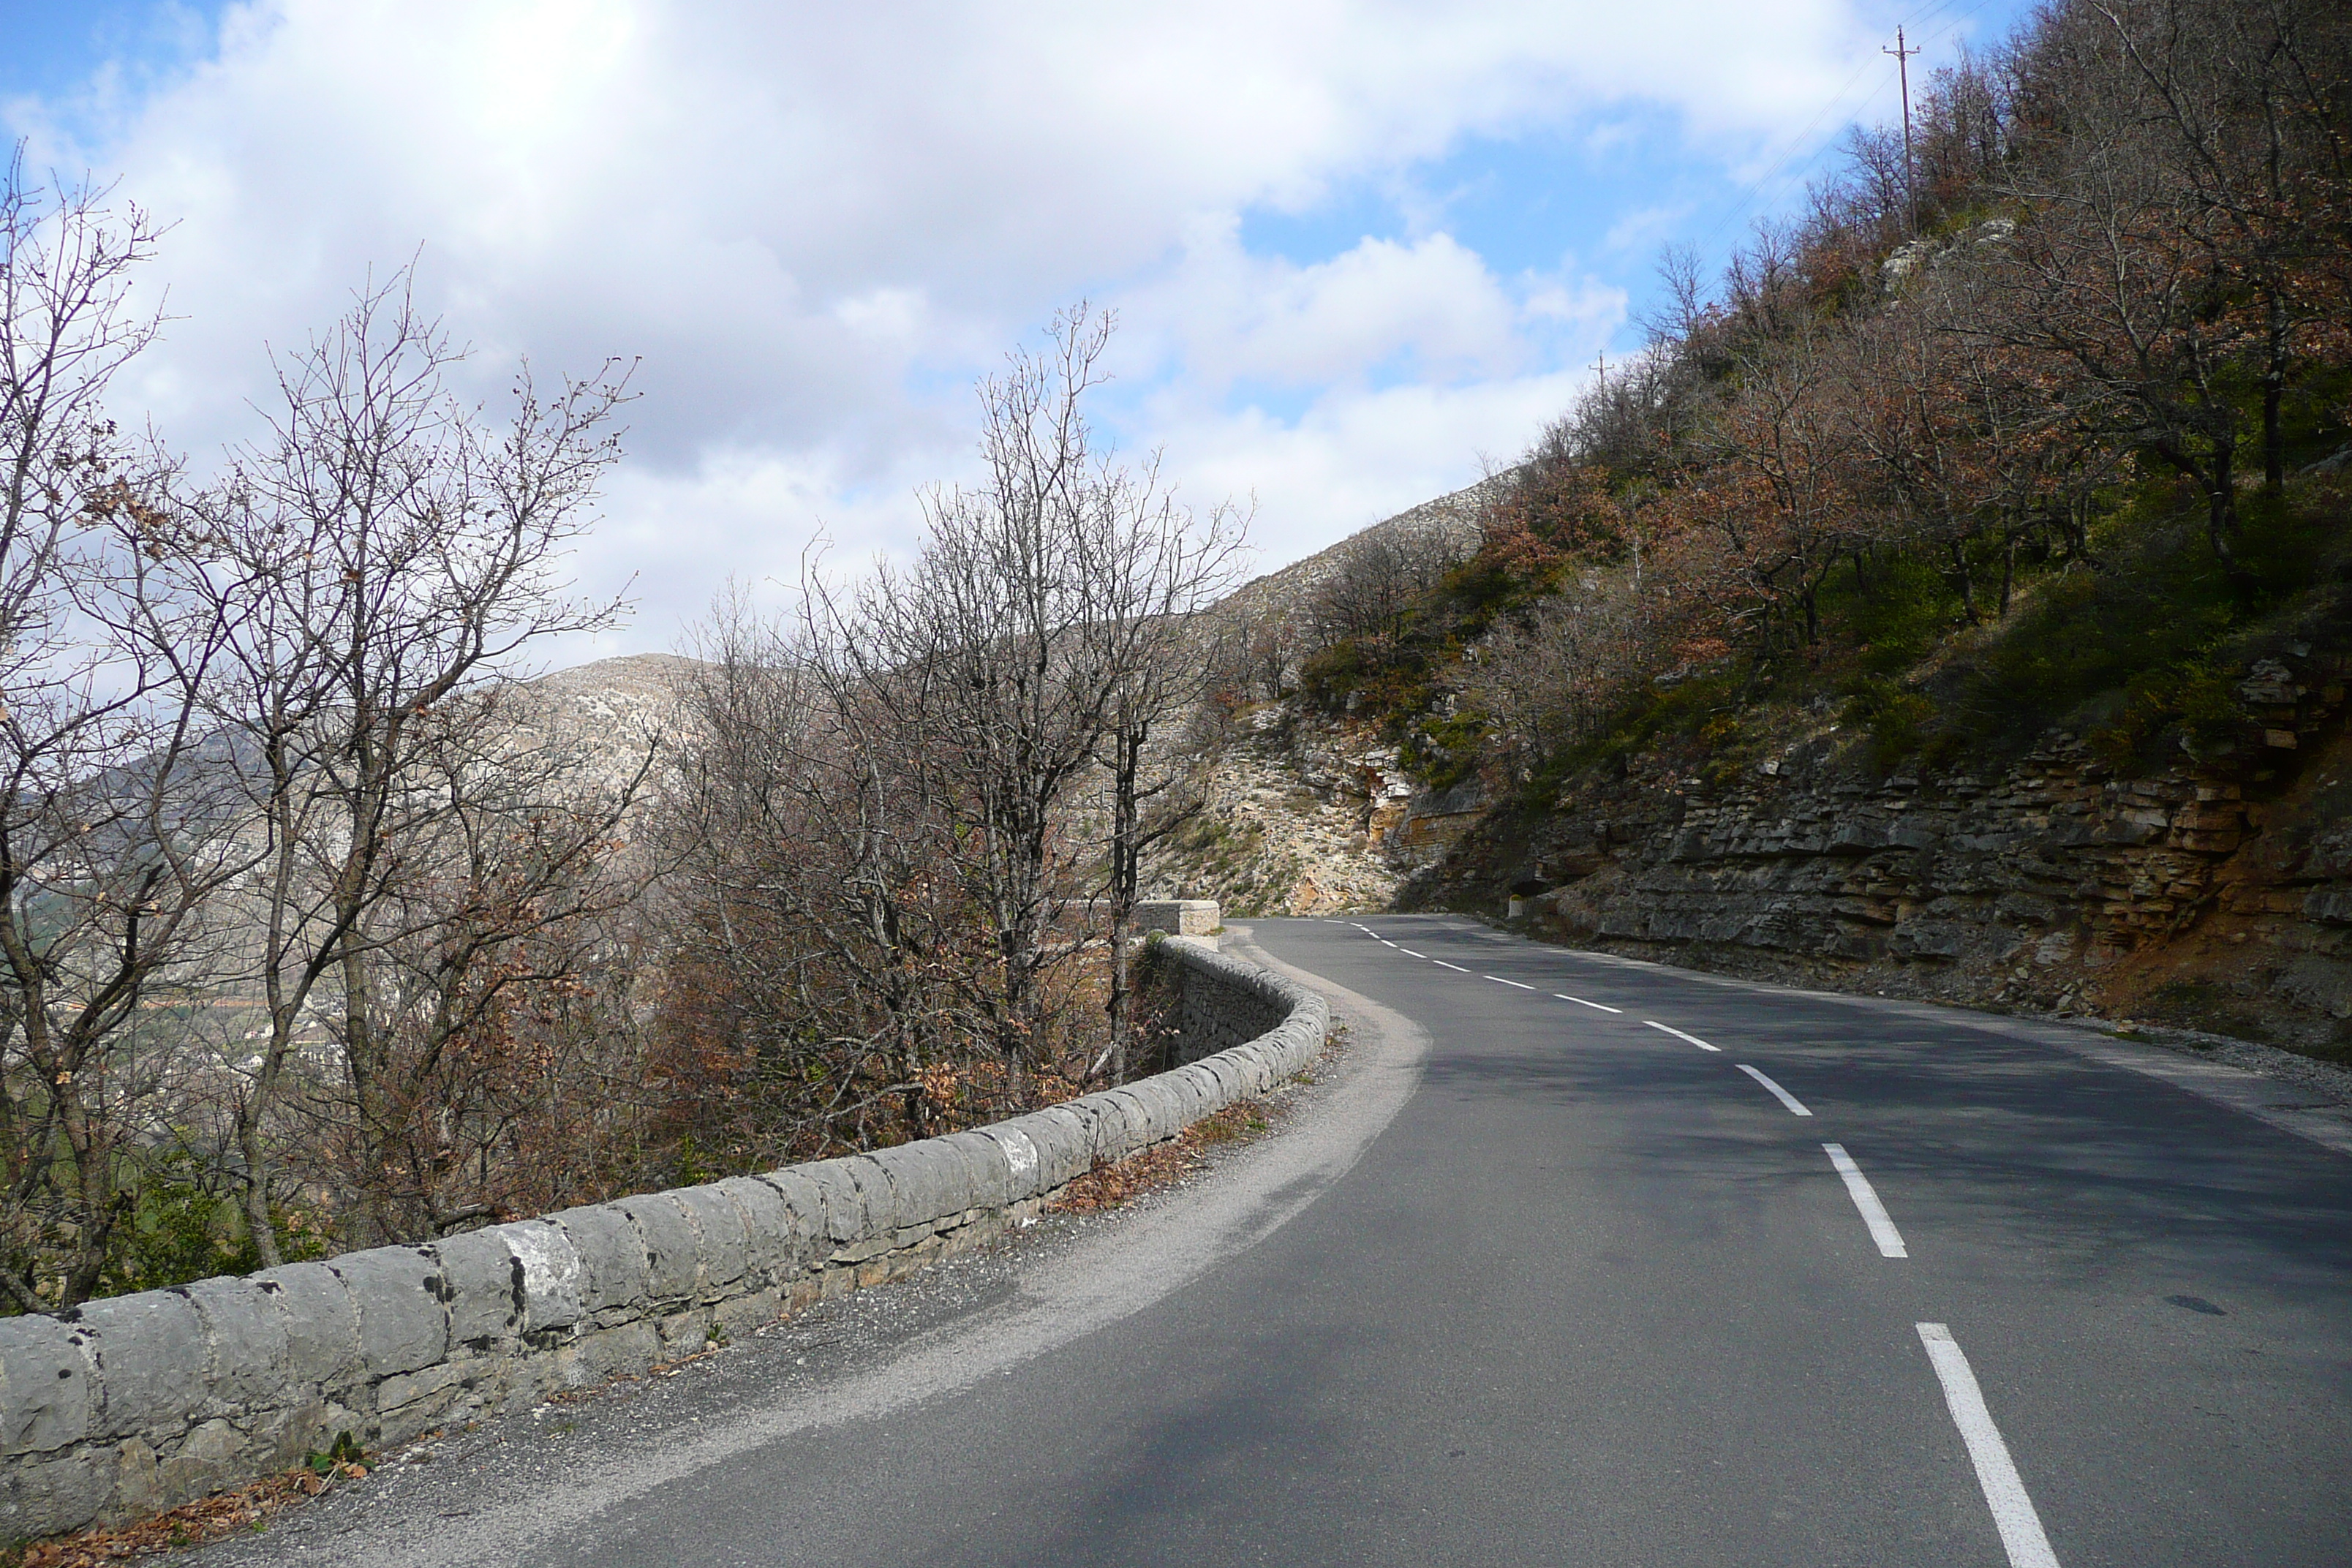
[
  {"x": 1180, "y": 917},
  {"x": 124, "y": 1406},
  {"x": 1222, "y": 1003}
]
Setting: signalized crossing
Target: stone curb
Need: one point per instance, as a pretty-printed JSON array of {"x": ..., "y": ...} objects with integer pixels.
[{"x": 123, "y": 1407}]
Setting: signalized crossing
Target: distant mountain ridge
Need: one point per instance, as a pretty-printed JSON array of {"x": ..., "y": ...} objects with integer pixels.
[
  {"x": 1279, "y": 594},
  {"x": 608, "y": 712}
]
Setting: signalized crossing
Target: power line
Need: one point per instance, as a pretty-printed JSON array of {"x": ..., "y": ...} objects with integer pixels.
[
  {"x": 1799, "y": 141},
  {"x": 1837, "y": 101},
  {"x": 1910, "y": 179}
]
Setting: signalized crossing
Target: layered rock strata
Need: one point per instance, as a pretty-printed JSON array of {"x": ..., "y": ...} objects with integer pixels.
[{"x": 2216, "y": 895}]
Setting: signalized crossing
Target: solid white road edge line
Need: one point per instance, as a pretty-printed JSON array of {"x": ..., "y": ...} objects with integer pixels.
[
  {"x": 1873, "y": 1213},
  {"x": 2012, "y": 1510},
  {"x": 1677, "y": 1034},
  {"x": 1580, "y": 1002},
  {"x": 1796, "y": 1107},
  {"x": 1443, "y": 964},
  {"x": 1500, "y": 981}
]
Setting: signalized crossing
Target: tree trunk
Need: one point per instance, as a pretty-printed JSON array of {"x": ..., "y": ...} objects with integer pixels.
[
  {"x": 1125, "y": 875},
  {"x": 2274, "y": 395},
  {"x": 2222, "y": 507},
  {"x": 257, "y": 1181}
]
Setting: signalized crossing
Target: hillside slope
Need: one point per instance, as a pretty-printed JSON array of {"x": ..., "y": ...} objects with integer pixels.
[
  {"x": 2214, "y": 896},
  {"x": 2214, "y": 892},
  {"x": 1953, "y": 597}
]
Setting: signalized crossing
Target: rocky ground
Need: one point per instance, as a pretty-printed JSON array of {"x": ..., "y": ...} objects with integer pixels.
[{"x": 1294, "y": 821}]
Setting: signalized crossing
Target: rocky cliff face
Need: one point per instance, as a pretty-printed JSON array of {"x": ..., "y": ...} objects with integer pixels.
[
  {"x": 2216, "y": 896},
  {"x": 2213, "y": 895},
  {"x": 1294, "y": 822}
]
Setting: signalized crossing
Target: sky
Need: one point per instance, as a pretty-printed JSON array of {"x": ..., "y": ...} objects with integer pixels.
[{"x": 1357, "y": 252}]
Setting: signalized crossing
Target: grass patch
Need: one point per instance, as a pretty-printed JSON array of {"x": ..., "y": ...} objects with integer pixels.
[
  {"x": 1651, "y": 716},
  {"x": 1439, "y": 753}
]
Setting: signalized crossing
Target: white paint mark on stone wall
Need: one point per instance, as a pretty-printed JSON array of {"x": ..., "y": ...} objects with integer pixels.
[
  {"x": 550, "y": 1274},
  {"x": 1019, "y": 1153}
]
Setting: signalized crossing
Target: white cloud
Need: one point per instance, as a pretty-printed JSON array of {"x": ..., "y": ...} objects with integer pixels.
[
  {"x": 815, "y": 222},
  {"x": 1356, "y": 456},
  {"x": 1228, "y": 316},
  {"x": 1644, "y": 228}
]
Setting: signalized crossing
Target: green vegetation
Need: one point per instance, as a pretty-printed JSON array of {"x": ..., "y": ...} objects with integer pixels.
[
  {"x": 182, "y": 1221},
  {"x": 1920, "y": 470},
  {"x": 2146, "y": 651}
]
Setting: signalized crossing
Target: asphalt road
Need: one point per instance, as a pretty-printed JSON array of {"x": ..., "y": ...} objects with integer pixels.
[{"x": 1788, "y": 1279}]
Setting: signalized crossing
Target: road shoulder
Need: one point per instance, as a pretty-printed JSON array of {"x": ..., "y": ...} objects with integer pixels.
[{"x": 522, "y": 1484}]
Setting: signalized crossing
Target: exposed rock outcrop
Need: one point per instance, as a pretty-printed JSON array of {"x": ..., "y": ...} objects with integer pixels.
[
  {"x": 2215, "y": 895},
  {"x": 1294, "y": 822}
]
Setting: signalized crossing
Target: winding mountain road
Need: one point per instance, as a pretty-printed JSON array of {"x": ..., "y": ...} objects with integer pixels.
[{"x": 1581, "y": 1261}]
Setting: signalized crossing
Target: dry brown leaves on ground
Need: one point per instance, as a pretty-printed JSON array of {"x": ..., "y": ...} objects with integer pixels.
[
  {"x": 190, "y": 1524},
  {"x": 1107, "y": 1186}
]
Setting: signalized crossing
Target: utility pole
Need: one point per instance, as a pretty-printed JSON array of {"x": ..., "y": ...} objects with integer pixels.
[{"x": 1910, "y": 180}]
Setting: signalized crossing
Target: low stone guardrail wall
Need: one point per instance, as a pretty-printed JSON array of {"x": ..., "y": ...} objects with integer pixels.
[
  {"x": 1222, "y": 1002},
  {"x": 125, "y": 1406}
]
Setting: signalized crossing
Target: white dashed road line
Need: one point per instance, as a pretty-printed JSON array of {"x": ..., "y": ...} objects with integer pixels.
[
  {"x": 2005, "y": 1493},
  {"x": 1677, "y": 1034},
  {"x": 1873, "y": 1213},
  {"x": 1796, "y": 1107},
  {"x": 2021, "y": 1535},
  {"x": 1580, "y": 1002},
  {"x": 2013, "y": 1516}
]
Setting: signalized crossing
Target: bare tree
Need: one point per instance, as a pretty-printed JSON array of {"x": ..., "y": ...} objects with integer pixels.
[
  {"x": 110, "y": 838},
  {"x": 1550, "y": 677},
  {"x": 1775, "y": 491},
  {"x": 814, "y": 875},
  {"x": 887, "y": 811},
  {"x": 2180, "y": 172},
  {"x": 1381, "y": 579},
  {"x": 986, "y": 649},
  {"x": 1152, "y": 567},
  {"x": 2242, "y": 107},
  {"x": 500, "y": 905},
  {"x": 381, "y": 562}
]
